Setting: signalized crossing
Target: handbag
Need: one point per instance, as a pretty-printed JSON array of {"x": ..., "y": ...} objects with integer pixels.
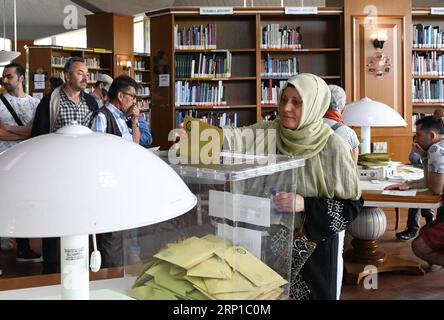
[{"x": 302, "y": 250}]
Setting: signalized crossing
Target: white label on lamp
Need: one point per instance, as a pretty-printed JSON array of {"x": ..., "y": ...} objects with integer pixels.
[
  {"x": 247, "y": 238},
  {"x": 239, "y": 207},
  {"x": 301, "y": 10},
  {"x": 216, "y": 10},
  {"x": 164, "y": 80},
  {"x": 437, "y": 10}
]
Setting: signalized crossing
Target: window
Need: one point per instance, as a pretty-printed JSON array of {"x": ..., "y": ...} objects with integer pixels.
[
  {"x": 141, "y": 34},
  {"x": 76, "y": 38}
]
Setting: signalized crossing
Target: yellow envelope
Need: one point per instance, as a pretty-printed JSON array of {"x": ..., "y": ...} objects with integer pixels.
[
  {"x": 197, "y": 282},
  {"x": 186, "y": 254},
  {"x": 196, "y": 295},
  {"x": 251, "y": 267},
  {"x": 150, "y": 293},
  {"x": 141, "y": 280},
  {"x": 237, "y": 283},
  {"x": 213, "y": 267},
  {"x": 180, "y": 287},
  {"x": 175, "y": 270},
  {"x": 203, "y": 139},
  {"x": 220, "y": 244}
]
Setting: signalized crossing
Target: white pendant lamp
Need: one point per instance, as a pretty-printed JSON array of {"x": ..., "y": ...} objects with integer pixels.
[{"x": 6, "y": 55}]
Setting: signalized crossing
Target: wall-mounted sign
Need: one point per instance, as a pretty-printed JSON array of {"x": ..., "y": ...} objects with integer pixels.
[
  {"x": 216, "y": 10},
  {"x": 164, "y": 80},
  {"x": 301, "y": 10},
  {"x": 437, "y": 10}
]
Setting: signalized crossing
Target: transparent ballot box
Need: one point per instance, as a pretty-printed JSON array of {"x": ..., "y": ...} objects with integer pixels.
[{"x": 234, "y": 244}]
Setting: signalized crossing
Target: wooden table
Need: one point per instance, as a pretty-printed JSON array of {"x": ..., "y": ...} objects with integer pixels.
[{"x": 386, "y": 262}]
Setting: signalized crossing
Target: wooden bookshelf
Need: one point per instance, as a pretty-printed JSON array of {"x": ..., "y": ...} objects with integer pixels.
[
  {"x": 50, "y": 60},
  {"x": 321, "y": 53},
  {"x": 426, "y": 18},
  {"x": 142, "y": 74}
]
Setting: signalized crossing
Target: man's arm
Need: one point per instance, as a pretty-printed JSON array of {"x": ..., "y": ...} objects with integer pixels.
[
  {"x": 9, "y": 136},
  {"x": 23, "y": 132},
  {"x": 434, "y": 181}
]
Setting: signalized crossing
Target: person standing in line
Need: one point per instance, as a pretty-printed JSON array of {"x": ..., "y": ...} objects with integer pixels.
[
  {"x": 66, "y": 105},
  {"x": 17, "y": 110}
]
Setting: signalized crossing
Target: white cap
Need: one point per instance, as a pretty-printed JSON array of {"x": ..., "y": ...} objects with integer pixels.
[{"x": 106, "y": 79}]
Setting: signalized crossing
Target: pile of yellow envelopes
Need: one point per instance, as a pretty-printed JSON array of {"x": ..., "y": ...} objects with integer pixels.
[{"x": 206, "y": 268}]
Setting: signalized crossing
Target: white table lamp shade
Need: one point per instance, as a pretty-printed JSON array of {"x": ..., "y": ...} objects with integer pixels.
[
  {"x": 366, "y": 112},
  {"x": 75, "y": 182}
]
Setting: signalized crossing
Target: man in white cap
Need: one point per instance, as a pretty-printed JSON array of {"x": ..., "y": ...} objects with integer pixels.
[{"x": 101, "y": 88}]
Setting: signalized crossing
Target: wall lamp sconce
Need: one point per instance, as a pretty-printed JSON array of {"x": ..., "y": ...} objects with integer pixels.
[
  {"x": 378, "y": 39},
  {"x": 126, "y": 66}
]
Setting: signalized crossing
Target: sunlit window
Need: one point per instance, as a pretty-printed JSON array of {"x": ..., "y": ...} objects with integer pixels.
[{"x": 76, "y": 38}]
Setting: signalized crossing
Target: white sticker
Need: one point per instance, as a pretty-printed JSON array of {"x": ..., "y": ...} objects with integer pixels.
[
  {"x": 239, "y": 207},
  {"x": 164, "y": 80},
  {"x": 216, "y": 10},
  {"x": 301, "y": 10}
]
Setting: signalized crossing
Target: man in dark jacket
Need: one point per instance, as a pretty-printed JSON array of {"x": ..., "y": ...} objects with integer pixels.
[{"x": 66, "y": 105}]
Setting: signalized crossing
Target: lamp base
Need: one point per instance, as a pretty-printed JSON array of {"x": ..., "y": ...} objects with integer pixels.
[{"x": 365, "y": 252}]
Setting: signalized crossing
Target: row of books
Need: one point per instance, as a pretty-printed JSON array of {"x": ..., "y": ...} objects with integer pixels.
[
  {"x": 416, "y": 116},
  {"x": 270, "y": 116},
  {"x": 427, "y": 91},
  {"x": 138, "y": 77},
  {"x": 143, "y": 91},
  {"x": 273, "y": 36},
  {"x": 195, "y": 37},
  {"x": 92, "y": 76},
  {"x": 427, "y": 36},
  {"x": 427, "y": 64},
  {"x": 273, "y": 67},
  {"x": 204, "y": 65},
  {"x": 270, "y": 93},
  {"x": 90, "y": 62},
  {"x": 199, "y": 94},
  {"x": 139, "y": 65},
  {"x": 214, "y": 118}
]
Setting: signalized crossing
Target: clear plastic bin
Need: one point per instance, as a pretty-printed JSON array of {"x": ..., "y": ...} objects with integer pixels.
[{"x": 233, "y": 245}]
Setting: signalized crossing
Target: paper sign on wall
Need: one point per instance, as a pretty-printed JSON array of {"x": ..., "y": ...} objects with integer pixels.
[
  {"x": 216, "y": 10},
  {"x": 39, "y": 77},
  {"x": 437, "y": 10},
  {"x": 39, "y": 85},
  {"x": 301, "y": 10},
  {"x": 240, "y": 207},
  {"x": 164, "y": 80}
]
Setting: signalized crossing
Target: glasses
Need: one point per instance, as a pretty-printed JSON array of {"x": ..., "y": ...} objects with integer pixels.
[{"x": 129, "y": 94}]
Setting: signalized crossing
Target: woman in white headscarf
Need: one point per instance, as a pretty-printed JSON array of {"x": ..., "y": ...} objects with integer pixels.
[{"x": 328, "y": 185}]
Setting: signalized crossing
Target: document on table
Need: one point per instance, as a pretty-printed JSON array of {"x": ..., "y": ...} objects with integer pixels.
[{"x": 402, "y": 193}]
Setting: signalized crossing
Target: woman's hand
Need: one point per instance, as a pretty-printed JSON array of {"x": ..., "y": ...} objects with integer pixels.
[
  {"x": 399, "y": 186},
  {"x": 289, "y": 202}
]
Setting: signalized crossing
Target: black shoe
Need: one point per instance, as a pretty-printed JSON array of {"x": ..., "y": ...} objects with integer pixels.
[{"x": 406, "y": 234}]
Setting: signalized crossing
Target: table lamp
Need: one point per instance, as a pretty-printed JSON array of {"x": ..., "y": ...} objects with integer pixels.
[
  {"x": 366, "y": 113},
  {"x": 76, "y": 182}
]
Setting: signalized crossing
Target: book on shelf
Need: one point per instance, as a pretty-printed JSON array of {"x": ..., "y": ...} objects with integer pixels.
[
  {"x": 275, "y": 37},
  {"x": 427, "y": 91},
  {"x": 427, "y": 36},
  {"x": 204, "y": 65},
  {"x": 139, "y": 65},
  {"x": 275, "y": 67},
  {"x": 270, "y": 92},
  {"x": 60, "y": 61},
  {"x": 199, "y": 94},
  {"x": 213, "y": 118},
  {"x": 416, "y": 116},
  {"x": 195, "y": 37},
  {"x": 428, "y": 63}
]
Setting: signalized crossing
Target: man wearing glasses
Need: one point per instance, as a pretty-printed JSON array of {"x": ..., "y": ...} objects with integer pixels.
[{"x": 113, "y": 119}]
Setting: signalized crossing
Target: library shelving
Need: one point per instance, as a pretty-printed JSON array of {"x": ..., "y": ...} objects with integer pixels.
[
  {"x": 427, "y": 62},
  {"x": 220, "y": 68},
  {"x": 142, "y": 74},
  {"x": 43, "y": 62}
]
